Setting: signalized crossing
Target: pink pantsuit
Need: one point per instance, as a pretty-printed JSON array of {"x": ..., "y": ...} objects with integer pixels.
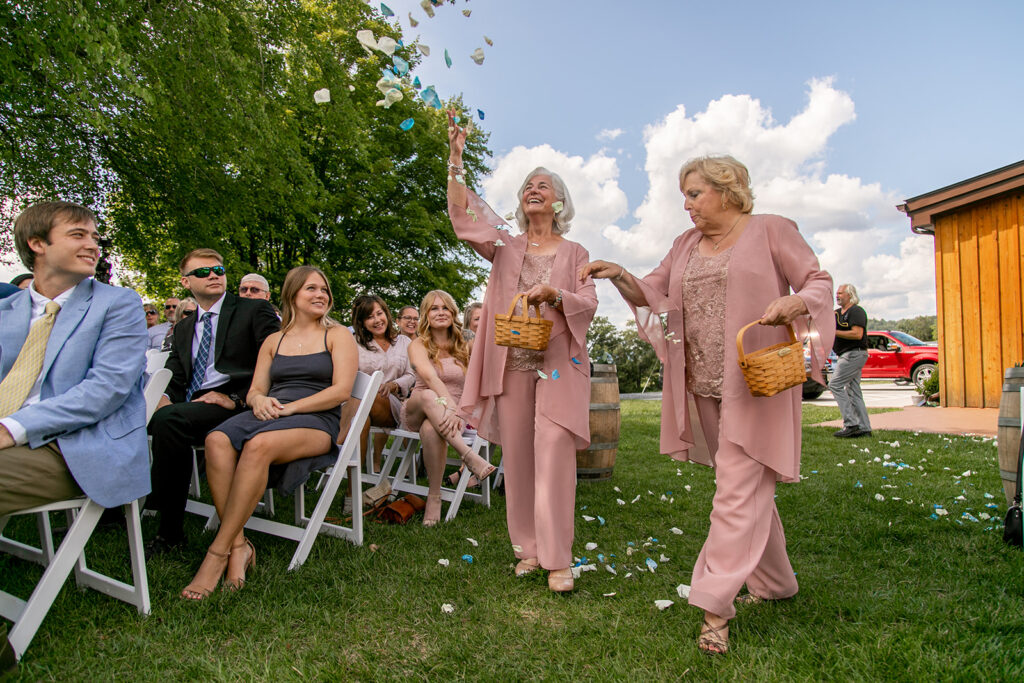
[
  {"x": 540, "y": 423},
  {"x": 754, "y": 442}
]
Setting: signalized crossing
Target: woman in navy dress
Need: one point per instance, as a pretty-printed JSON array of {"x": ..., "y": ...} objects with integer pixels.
[{"x": 303, "y": 374}]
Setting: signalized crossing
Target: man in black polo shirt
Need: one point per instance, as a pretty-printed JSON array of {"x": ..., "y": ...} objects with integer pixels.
[{"x": 851, "y": 345}]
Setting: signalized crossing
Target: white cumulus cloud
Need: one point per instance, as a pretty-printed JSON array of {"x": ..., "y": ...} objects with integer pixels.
[
  {"x": 852, "y": 225},
  {"x": 610, "y": 133}
]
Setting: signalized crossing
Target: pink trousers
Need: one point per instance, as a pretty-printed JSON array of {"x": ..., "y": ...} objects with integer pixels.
[
  {"x": 746, "y": 543},
  {"x": 539, "y": 457}
]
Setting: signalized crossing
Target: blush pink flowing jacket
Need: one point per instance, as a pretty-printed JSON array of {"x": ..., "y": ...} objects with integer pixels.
[
  {"x": 565, "y": 400},
  {"x": 769, "y": 258}
]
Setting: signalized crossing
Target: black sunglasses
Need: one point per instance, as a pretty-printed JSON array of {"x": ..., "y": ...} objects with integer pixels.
[
  {"x": 205, "y": 271},
  {"x": 150, "y": 312}
]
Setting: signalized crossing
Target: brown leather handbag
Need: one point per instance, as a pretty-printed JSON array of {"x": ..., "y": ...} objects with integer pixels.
[{"x": 403, "y": 509}]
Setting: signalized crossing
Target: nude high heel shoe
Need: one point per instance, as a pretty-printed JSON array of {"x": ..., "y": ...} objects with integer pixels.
[
  {"x": 561, "y": 581},
  {"x": 480, "y": 468}
]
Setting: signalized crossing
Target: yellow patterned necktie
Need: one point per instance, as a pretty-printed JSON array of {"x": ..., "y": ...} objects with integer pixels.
[{"x": 19, "y": 381}]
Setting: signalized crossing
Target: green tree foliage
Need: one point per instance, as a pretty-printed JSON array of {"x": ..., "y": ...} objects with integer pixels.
[
  {"x": 213, "y": 139},
  {"x": 923, "y": 326},
  {"x": 636, "y": 363}
]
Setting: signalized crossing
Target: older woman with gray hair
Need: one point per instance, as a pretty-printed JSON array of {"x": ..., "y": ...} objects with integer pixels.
[
  {"x": 733, "y": 268},
  {"x": 534, "y": 403}
]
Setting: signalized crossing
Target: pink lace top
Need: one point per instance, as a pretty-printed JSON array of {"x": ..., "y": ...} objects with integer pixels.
[
  {"x": 536, "y": 271},
  {"x": 704, "y": 282}
]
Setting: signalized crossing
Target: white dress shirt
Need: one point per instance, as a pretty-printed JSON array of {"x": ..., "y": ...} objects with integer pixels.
[{"x": 213, "y": 378}]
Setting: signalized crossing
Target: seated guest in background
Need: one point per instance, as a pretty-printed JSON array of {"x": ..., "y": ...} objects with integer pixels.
[
  {"x": 184, "y": 308},
  {"x": 380, "y": 348},
  {"x": 170, "y": 306},
  {"x": 303, "y": 374},
  {"x": 439, "y": 356},
  {"x": 473, "y": 312},
  {"x": 22, "y": 281},
  {"x": 254, "y": 286},
  {"x": 155, "y": 329},
  {"x": 471, "y": 320},
  {"x": 213, "y": 355},
  {"x": 72, "y": 351},
  {"x": 408, "y": 321}
]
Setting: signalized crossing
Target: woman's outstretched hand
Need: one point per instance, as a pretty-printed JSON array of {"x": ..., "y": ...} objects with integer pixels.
[
  {"x": 784, "y": 310},
  {"x": 456, "y": 137},
  {"x": 600, "y": 270}
]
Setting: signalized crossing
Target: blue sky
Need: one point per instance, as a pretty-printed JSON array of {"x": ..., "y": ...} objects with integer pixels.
[{"x": 840, "y": 109}]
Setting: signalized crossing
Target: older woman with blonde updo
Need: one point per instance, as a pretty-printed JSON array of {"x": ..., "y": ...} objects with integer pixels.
[
  {"x": 439, "y": 356},
  {"x": 733, "y": 268}
]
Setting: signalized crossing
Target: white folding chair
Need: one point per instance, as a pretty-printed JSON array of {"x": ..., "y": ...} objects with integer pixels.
[
  {"x": 83, "y": 514},
  {"x": 155, "y": 360},
  {"x": 405, "y": 447},
  {"x": 307, "y": 528}
]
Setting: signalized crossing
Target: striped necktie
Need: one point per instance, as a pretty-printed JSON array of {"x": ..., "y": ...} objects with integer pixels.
[
  {"x": 202, "y": 357},
  {"x": 18, "y": 384}
]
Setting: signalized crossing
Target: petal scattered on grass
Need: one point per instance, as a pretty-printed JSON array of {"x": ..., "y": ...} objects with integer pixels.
[
  {"x": 663, "y": 604},
  {"x": 677, "y": 531},
  {"x": 683, "y": 591},
  {"x": 590, "y": 546},
  {"x": 447, "y": 608},
  {"x": 620, "y": 501},
  {"x": 651, "y": 564},
  {"x": 468, "y": 559},
  {"x": 588, "y": 518},
  {"x": 473, "y": 542},
  {"x": 443, "y": 562}
]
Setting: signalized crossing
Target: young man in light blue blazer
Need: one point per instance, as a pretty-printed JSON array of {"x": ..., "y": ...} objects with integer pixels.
[{"x": 81, "y": 426}]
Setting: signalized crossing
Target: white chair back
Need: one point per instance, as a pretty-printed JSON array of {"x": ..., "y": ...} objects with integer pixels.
[
  {"x": 155, "y": 386},
  {"x": 156, "y": 359}
]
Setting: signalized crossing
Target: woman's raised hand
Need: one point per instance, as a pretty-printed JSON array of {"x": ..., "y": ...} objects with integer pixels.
[
  {"x": 456, "y": 137},
  {"x": 600, "y": 270}
]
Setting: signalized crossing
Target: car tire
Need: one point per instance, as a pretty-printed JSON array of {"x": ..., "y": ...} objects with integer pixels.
[
  {"x": 921, "y": 373},
  {"x": 812, "y": 390}
]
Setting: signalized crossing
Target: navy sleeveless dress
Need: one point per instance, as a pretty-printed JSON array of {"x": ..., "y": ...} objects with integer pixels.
[{"x": 291, "y": 378}]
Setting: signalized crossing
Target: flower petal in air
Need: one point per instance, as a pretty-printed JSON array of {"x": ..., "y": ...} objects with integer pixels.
[
  {"x": 386, "y": 11},
  {"x": 447, "y": 59},
  {"x": 322, "y": 96},
  {"x": 407, "y": 124},
  {"x": 478, "y": 55}
]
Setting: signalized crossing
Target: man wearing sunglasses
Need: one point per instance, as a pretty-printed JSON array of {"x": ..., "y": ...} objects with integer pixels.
[
  {"x": 213, "y": 355},
  {"x": 254, "y": 286}
]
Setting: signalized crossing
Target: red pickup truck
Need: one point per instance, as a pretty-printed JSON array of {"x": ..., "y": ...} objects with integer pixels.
[{"x": 897, "y": 355}]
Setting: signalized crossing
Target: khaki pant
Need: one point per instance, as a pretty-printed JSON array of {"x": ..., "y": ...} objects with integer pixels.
[{"x": 34, "y": 476}]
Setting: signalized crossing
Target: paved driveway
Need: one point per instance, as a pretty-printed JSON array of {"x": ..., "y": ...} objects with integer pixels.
[{"x": 877, "y": 394}]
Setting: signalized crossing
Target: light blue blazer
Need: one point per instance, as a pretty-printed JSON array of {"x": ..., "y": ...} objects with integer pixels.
[{"x": 91, "y": 397}]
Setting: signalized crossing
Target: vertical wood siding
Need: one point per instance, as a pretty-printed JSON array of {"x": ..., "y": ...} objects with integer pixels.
[{"x": 979, "y": 273}]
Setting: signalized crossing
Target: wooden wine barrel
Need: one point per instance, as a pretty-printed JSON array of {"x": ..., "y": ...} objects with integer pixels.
[
  {"x": 1009, "y": 429},
  {"x": 596, "y": 463}
]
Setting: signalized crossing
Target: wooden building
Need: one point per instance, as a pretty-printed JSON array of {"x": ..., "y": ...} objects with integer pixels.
[{"x": 978, "y": 228}]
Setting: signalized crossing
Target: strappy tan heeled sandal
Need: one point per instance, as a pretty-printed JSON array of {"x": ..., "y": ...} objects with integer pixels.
[
  {"x": 432, "y": 512},
  {"x": 749, "y": 599},
  {"x": 711, "y": 641},
  {"x": 194, "y": 591},
  {"x": 480, "y": 468},
  {"x": 238, "y": 583}
]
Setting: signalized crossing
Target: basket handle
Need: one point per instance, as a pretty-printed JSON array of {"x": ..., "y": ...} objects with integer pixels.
[
  {"x": 526, "y": 312},
  {"x": 741, "y": 356}
]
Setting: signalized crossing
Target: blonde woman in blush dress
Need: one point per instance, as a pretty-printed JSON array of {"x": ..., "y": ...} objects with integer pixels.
[
  {"x": 734, "y": 267},
  {"x": 439, "y": 356}
]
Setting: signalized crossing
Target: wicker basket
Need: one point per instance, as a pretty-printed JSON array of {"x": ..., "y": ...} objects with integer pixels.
[
  {"x": 774, "y": 368},
  {"x": 521, "y": 331}
]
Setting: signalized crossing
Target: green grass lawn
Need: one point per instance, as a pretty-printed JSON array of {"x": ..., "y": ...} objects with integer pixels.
[{"x": 889, "y": 590}]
